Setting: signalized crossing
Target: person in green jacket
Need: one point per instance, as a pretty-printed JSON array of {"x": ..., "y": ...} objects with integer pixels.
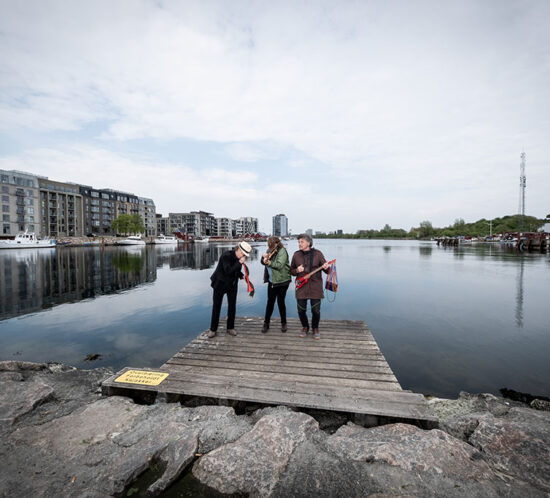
[{"x": 277, "y": 276}]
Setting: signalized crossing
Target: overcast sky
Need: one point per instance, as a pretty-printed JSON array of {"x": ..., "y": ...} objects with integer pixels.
[{"x": 340, "y": 114}]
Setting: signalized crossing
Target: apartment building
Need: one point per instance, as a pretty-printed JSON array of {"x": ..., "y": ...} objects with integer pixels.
[
  {"x": 99, "y": 210},
  {"x": 20, "y": 202},
  {"x": 195, "y": 223},
  {"x": 163, "y": 224},
  {"x": 280, "y": 225},
  {"x": 224, "y": 227},
  {"x": 61, "y": 209},
  {"x": 147, "y": 211}
]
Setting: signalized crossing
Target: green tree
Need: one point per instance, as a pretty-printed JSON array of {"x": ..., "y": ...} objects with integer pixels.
[
  {"x": 426, "y": 229},
  {"x": 127, "y": 223}
]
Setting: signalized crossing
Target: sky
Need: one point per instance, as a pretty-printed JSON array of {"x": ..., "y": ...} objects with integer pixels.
[{"x": 341, "y": 114}]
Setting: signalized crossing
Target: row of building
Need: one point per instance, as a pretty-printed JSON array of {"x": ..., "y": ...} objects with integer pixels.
[{"x": 62, "y": 209}]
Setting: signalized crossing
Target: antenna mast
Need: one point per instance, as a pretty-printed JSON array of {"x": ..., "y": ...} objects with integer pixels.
[{"x": 522, "y": 185}]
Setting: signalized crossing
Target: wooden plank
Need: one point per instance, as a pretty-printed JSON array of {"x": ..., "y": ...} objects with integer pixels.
[
  {"x": 311, "y": 347},
  {"x": 311, "y": 379},
  {"x": 371, "y": 361},
  {"x": 345, "y": 367},
  {"x": 278, "y": 368}
]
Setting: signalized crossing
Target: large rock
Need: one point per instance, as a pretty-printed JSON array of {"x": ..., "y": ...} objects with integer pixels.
[
  {"x": 410, "y": 448},
  {"x": 20, "y": 398},
  {"x": 517, "y": 445},
  {"x": 253, "y": 464},
  {"x": 63, "y": 439},
  {"x": 313, "y": 472}
]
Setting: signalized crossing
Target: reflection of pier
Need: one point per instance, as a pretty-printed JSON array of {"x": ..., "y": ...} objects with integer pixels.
[
  {"x": 344, "y": 372},
  {"x": 519, "y": 295}
]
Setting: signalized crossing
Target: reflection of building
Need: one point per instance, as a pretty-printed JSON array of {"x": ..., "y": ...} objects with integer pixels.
[
  {"x": 19, "y": 200},
  {"x": 61, "y": 209},
  {"x": 280, "y": 225},
  {"x": 36, "y": 279}
]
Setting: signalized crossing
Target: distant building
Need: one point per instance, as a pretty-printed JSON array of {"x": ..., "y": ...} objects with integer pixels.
[
  {"x": 309, "y": 232},
  {"x": 147, "y": 211},
  {"x": 280, "y": 225},
  {"x": 224, "y": 227},
  {"x": 20, "y": 202},
  {"x": 195, "y": 223},
  {"x": 339, "y": 232},
  {"x": 61, "y": 209},
  {"x": 163, "y": 226}
]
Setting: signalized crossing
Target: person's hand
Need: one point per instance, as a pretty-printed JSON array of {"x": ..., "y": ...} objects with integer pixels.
[
  {"x": 300, "y": 269},
  {"x": 325, "y": 266},
  {"x": 265, "y": 255},
  {"x": 242, "y": 260}
]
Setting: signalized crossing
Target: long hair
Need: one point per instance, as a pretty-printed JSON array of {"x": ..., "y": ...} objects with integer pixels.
[{"x": 274, "y": 242}]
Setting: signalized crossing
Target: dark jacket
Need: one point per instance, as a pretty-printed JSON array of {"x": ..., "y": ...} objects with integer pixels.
[
  {"x": 228, "y": 272},
  {"x": 313, "y": 288}
]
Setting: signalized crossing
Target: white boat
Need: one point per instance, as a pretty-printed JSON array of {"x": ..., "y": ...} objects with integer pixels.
[
  {"x": 205, "y": 240},
  {"x": 132, "y": 240},
  {"x": 25, "y": 240},
  {"x": 164, "y": 239}
]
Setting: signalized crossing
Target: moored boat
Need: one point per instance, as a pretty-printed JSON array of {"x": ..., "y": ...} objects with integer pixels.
[
  {"x": 165, "y": 239},
  {"x": 26, "y": 240},
  {"x": 132, "y": 240}
]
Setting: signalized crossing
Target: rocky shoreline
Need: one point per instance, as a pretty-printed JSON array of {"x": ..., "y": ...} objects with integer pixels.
[{"x": 60, "y": 437}]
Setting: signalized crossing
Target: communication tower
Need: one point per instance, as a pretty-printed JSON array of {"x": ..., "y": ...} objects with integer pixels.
[{"x": 522, "y": 185}]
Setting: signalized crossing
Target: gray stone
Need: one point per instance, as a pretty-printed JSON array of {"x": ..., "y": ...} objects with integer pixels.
[
  {"x": 176, "y": 456},
  {"x": 253, "y": 464},
  {"x": 20, "y": 398},
  {"x": 18, "y": 366},
  {"x": 312, "y": 472},
  {"x": 518, "y": 445},
  {"x": 540, "y": 404},
  {"x": 410, "y": 448}
]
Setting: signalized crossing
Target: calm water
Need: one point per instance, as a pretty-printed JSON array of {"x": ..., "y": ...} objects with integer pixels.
[{"x": 473, "y": 318}]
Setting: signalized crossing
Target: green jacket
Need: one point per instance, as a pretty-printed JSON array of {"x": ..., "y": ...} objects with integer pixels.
[{"x": 280, "y": 268}]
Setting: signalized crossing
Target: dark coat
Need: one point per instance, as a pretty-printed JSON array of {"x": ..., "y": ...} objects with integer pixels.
[
  {"x": 228, "y": 272},
  {"x": 313, "y": 288}
]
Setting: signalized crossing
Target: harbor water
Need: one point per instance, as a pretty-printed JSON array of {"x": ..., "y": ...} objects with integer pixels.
[{"x": 472, "y": 318}]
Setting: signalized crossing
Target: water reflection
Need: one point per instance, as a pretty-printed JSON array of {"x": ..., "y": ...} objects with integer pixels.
[
  {"x": 519, "y": 294},
  {"x": 37, "y": 279}
]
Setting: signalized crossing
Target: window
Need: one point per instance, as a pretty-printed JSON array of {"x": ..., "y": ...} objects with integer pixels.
[
  {"x": 30, "y": 210},
  {"x": 5, "y": 209},
  {"x": 5, "y": 199},
  {"x": 5, "y": 190},
  {"x": 5, "y": 217},
  {"x": 4, "y": 178},
  {"x": 30, "y": 193},
  {"x": 6, "y": 229},
  {"x": 30, "y": 202}
]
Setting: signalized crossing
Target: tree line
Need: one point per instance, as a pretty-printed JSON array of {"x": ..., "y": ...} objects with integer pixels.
[{"x": 479, "y": 228}]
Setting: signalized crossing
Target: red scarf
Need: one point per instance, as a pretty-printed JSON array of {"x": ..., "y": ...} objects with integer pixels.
[{"x": 250, "y": 287}]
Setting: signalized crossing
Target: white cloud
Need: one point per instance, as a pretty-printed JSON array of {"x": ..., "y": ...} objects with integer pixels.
[{"x": 408, "y": 99}]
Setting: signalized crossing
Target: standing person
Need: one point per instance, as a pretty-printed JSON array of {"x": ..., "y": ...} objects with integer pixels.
[
  {"x": 305, "y": 260},
  {"x": 277, "y": 276},
  {"x": 225, "y": 280}
]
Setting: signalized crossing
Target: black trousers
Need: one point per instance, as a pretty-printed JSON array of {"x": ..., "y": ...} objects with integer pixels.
[
  {"x": 217, "y": 306},
  {"x": 315, "y": 312},
  {"x": 277, "y": 292}
]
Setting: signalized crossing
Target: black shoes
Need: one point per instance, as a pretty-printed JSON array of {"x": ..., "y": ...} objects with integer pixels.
[
  {"x": 265, "y": 327},
  {"x": 283, "y": 327}
]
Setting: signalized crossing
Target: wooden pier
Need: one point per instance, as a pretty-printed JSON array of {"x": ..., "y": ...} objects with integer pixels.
[{"x": 344, "y": 372}]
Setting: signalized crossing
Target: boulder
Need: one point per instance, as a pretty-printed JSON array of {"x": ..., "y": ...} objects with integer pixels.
[
  {"x": 253, "y": 464},
  {"x": 20, "y": 398},
  {"x": 517, "y": 445},
  {"x": 410, "y": 448}
]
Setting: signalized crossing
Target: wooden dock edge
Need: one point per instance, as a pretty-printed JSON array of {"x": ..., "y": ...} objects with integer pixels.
[{"x": 144, "y": 394}]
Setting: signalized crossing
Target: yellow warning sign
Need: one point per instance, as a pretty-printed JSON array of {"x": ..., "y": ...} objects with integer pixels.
[{"x": 142, "y": 377}]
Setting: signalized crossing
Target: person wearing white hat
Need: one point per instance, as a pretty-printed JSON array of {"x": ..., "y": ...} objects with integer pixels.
[{"x": 225, "y": 280}]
